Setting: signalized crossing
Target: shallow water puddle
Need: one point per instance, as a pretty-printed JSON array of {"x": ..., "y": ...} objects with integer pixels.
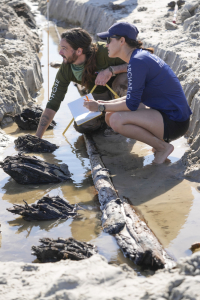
[
  {"x": 180, "y": 146},
  {"x": 173, "y": 212}
]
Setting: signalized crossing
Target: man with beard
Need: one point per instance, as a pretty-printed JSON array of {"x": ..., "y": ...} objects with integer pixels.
[{"x": 81, "y": 60}]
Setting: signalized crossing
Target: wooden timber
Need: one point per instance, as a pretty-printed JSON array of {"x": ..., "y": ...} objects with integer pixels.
[
  {"x": 46, "y": 208},
  {"x": 52, "y": 250},
  {"x": 132, "y": 234}
]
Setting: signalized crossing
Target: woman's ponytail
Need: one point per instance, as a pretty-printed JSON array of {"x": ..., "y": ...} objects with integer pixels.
[{"x": 137, "y": 45}]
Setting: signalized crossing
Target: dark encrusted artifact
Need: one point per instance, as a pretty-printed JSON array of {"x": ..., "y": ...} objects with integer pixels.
[
  {"x": 32, "y": 143},
  {"x": 54, "y": 250},
  {"x": 30, "y": 117},
  {"x": 47, "y": 208},
  {"x": 27, "y": 169}
]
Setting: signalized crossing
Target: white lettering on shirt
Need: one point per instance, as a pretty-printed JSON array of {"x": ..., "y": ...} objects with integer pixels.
[
  {"x": 130, "y": 81},
  {"x": 157, "y": 59},
  {"x": 54, "y": 89}
]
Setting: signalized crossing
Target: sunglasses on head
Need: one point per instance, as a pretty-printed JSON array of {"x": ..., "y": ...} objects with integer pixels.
[{"x": 108, "y": 39}]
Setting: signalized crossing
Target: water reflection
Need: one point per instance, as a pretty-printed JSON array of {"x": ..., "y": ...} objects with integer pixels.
[
  {"x": 87, "y": 227},
  {"x": 27, "y": 226},
  {"x": 16, "y": 193}
]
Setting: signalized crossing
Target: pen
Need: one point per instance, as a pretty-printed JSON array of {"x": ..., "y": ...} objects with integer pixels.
[{"x": 87, "y": 98}]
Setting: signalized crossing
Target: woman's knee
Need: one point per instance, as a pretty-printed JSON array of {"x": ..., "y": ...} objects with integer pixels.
[
  {"x": 107, "y": 118},
  {"x": 115, "y": 121}
]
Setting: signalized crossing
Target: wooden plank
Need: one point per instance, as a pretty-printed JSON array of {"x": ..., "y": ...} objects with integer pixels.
[{"x": 132, "y": 234}]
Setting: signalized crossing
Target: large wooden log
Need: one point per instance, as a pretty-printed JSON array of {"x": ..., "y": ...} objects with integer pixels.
[
  {"x": 133, "y": 235},
  {"x": 113, "y": 218}
]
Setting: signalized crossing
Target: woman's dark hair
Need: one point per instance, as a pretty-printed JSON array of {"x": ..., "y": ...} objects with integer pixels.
[
  {"x": 80, "y": 38},
  {"x": 136, "y": 44}
]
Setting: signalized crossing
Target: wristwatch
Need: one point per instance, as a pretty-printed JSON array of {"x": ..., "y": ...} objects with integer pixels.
[
  {"x": 111, "y": 70},
  {"x": 101, "y": 107}
]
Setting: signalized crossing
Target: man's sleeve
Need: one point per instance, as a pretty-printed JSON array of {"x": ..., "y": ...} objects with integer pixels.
[
  {"x": 136, "y": 73},
  {"x": 59, "y": 90},
  {"x": 115, "y": 61}
]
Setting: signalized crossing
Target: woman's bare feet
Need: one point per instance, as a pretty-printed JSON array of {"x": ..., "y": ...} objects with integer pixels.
[{"x": 161, "y": 155}]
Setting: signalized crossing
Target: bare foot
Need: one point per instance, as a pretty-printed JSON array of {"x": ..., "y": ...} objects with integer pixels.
[{"x": 160, "y": 156}]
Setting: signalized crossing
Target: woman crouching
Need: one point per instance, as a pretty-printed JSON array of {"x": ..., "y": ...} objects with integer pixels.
[{"x": 155, "y": 110}]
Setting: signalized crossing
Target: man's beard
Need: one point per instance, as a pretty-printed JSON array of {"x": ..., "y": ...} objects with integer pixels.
[{"x": 70, "y": 59}]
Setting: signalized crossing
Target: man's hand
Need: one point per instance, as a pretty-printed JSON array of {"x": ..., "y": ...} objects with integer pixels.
[
  {"x": 103, "y": 77},
  {"x": 92, "y": 105}
]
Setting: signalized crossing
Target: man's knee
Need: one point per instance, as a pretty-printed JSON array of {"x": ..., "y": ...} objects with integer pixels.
[{"x": 90, "y": 126}]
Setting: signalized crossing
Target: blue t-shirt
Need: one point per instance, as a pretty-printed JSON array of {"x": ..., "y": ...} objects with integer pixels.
[{"x": 152, "y": 82}]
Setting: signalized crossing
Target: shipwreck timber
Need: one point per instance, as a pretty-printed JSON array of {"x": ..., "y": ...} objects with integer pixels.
[{"x": 132, "y": 234}]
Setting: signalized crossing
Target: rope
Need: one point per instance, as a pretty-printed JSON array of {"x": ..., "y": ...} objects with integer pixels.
[
  {"x": 108, "y": 87},
  {"x": 115, "y": 94}
]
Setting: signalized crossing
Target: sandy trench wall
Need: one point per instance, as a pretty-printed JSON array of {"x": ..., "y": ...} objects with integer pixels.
[
  {"x": 92, "y": 18},
  {"x": 20, "y": 69}
]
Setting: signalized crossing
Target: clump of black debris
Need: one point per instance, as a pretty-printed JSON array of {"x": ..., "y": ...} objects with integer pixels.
[
  {"x": 54, "y": 250},
  {"x": 27, "y": 169},
  {"x": 30, "y": 117},
  {"x": 31, "y": 143},
  {"x": 47, "y": 208}
]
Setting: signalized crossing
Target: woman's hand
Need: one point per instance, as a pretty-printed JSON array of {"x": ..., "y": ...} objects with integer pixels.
[{"x": 92, "y": 105}]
